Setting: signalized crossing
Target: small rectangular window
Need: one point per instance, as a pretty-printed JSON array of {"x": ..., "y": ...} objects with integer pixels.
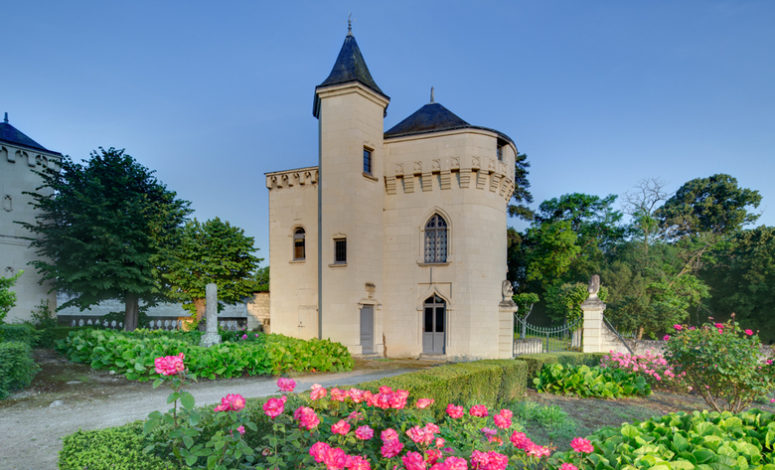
[
  {"x": 340, "y": 250},
  {"x": 500, "y": 153},
  {"x": 367, "y": 161}
]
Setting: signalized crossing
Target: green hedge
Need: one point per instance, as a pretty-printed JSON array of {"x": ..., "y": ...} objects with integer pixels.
[
  {"x": 17, "y": 369},
  {"x": 132, "y": 354},
  {"x": 119, "y": 448},
  {"x": 19, "y": 332}
]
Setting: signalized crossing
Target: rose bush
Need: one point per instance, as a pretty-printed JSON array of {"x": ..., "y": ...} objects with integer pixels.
[
  {"x": 653, "y": 367},
  {"x": 723, "y": 363}
]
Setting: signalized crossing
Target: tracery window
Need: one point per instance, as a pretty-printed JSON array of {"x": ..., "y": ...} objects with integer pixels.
[{"x": 436, "y": 240}]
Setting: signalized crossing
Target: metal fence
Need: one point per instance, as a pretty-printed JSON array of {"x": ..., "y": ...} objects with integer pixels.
[
  {"x": 537, "y": 339},
  {"x": 154, "y": 323}
]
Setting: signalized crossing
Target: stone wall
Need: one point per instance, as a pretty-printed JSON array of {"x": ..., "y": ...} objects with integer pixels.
[{"x": 258, "y": 312}]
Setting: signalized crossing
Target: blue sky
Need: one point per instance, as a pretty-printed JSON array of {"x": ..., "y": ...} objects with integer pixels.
[{"x": 599, "y": 94}]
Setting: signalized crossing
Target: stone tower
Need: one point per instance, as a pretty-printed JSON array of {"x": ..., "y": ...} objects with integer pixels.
[
  {"x": 350, "y": 108},
  {"x": 20, "y": 156}
]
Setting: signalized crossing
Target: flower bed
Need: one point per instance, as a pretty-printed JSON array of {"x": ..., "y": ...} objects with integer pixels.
[
  {"x": 585, "y": 381},
  {"x": 700, "y": 440},
  {"x": 653, "y": 367},
  {"x": 133, "y": 354}
]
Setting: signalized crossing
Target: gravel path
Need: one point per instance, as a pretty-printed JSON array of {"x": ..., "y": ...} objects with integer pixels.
[{"x": 31, "y": 431}]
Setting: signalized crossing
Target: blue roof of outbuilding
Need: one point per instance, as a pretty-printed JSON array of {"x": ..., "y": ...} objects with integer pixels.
[{"x": 14, "y": 136}]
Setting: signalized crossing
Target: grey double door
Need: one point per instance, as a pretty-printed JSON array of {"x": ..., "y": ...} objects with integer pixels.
[{"x": 434, "y": 325}]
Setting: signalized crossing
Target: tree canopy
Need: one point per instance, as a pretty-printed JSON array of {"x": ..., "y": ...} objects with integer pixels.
[{"x": 103, "y": 228}]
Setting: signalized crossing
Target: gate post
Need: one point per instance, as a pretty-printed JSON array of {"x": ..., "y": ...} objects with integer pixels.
[
  {"x": 506, "y": 313},
  {"x": 593, "y": 328}
]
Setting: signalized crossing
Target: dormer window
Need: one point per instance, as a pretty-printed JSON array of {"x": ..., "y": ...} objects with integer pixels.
[{"x": 367, "y": 160}]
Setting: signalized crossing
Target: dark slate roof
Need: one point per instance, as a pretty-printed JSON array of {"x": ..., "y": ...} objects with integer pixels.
[
  {"x": 434, "y": 117},
  {"x": 349, "y": 67},
  {"x": 14, "y": 136}
]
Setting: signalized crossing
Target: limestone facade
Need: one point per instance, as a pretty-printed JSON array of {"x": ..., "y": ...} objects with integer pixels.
[
  {"x": 404, "y": 231},
  {"x": 20, "y": 157}
]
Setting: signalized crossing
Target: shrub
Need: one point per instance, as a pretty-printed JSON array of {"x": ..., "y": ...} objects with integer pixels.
[
  {"x": 706, "y": 439},
  {"x": 17, "y": 369},
  {"x": 653, "y": 367},
  {"x": 585, "y": 381},
  {"x": 132, "y": 354},
  {"x": 7, "y": 296},
  {"x": 18, "y": 332},
  {"x": 535, "y": 362},
  {"x": 119, "y": 448},
  {"x": 48, "y": 337},
  {"x": 723, "y": 363}
]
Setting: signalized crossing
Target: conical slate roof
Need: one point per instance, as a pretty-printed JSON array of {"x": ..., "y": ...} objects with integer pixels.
[
  {"x": 14, "y": 136},
  {"x": 431, "y": 117},
  {"x": 434, "y": 117},
  {"x": 350, "y": 67}
]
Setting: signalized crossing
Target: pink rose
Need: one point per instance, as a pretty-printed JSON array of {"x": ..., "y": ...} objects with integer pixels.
[
  {"x": 456, "y": 463},
  {"x": 364, "y": 433},
  {"x": 335, "y": 458},
  {"x": 306, "y": 417},
  {"x": 454, "y": 412},
  {"x": 231, "y": 402},
  {"x": 169, "y": 365},
  {"x": 391, "y": 448},
  {"x": 478, "y": 410},
  {"x": 749, "y": 332},
  {"x": 424, "y": 402},
  {"x": 274, "y": 407},
  {"x": 568, "y": 466},
  {"x": 720, "y": 326},
  {"x": 388, "y": 434},
  {"x": 520, "y": 440},
  {"x": 356, "y": 395},
  {"x": 356, "y": 462},
  {"x": 286, "y": 385},
  {"x": 538, "y": 451},
  {"x": 338, "y": 395},
  {"x": 666, "y": 337},
  {"x": 414, "y": 461},
  {"x": 678, "y": 327},
  {"x": 318, "y": 451},
  {"x": 341, "y": 427},
  {"x": 582, "y": 445},
  {"x": 317, "y": 392},
  {"x": 241, "y": 429}
]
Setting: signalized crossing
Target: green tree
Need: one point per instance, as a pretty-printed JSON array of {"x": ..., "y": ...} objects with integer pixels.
[
  {"x": 7, "y": 296},
  {"x": 261, "y": 277},
  {"x": 103, "y": 228},
  {"x": 213, "y": 251},
  {"x": 521, "y": 195},
  {"x": 563, "y": 301},
  {"x": 742, "y": 278},
  {"x": 550, "y": 250}
]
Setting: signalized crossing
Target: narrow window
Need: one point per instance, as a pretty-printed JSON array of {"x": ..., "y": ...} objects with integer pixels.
[
  {"x": 340, "y": 250},
  {"x": 298, "y": 245},
  {"x": 500, "y": 153},
  {"x": 367, "y": 161},
  {"x": 436, "y": 240}
]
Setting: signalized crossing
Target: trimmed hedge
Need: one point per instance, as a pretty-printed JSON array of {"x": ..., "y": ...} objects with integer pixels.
[
  {"x": 21, "y": 332},
  {"x": 118, "y": 448},
  {"x": 17, "y": 369}
]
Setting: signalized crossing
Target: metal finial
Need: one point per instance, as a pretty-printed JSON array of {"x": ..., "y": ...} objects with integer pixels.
[
  {"x": 432, "y": 95},
  {"x": 350, "y": 24},
  {"x": 6, "y": 117}
]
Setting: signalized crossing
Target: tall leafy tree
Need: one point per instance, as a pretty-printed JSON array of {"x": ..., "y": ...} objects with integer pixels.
[
  {"x": 521, "y": 196},
  {"x": 103, "y": 227},
  {"x": 213, "y": 251}
]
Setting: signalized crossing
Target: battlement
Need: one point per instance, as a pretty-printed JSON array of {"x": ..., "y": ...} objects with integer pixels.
[{"x": 290, "y": 178}]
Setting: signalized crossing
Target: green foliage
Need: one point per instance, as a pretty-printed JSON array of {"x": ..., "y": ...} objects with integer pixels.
[
  {"x": 551, "y": 419},
  {"x": 551, "y": 249},
  {"x": 101, "y": 229},
  {"x": 521, "y": 194},
  {"x": 21, "y": 332},
  {"x": 535, "y": 362},
  {"x": 119, "y": 448},
  {"x": 714, "y": 204},
  {"x": 701, "y": 440},
  {"x": 43, "y": 317},
  {"x": 261, "y": 277},
  {"x": 564, "y": 301},
  {"x": 17, "y": 369},
  {"x": 213, "y": 251},
  {"x": 7, "y": 296},
  {"x": 525, "y": 302},
  {"x": 741, "y": 276},
  {"x": 722, "y": 363},
  {"x": 48, "y": 337},
  {"x": 585, "y": 381},
  {"x": 132, "y": 354}
]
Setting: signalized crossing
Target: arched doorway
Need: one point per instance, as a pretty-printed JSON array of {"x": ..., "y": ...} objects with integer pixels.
[{"x": 434, "y": 325}]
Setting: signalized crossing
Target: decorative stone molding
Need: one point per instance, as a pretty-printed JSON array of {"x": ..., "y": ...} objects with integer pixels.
[
  {"x": 7, "y": 203},
  {"x": 290, "y": 178}
]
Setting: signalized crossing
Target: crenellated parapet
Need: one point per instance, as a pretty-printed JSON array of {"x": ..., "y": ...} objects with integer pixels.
[
  {"x": 482, "y": 173},
  {"x": 289, "y": 178},
  {"x": 32, "y": 158}
]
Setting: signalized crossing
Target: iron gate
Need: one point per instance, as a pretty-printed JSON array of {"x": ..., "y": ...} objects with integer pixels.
[{"x": 531, "y": 338}]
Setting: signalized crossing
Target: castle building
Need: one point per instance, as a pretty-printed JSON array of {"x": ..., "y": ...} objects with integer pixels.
[
  {"x": 20, "y": 156},
  {"x": 395, "y": 243}
]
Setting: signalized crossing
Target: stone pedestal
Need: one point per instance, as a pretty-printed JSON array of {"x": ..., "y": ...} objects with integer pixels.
[
  {"x": 594, "y": 329},
  {"x": 506, "y": 311},
  {"x": 211, "y": 314}
]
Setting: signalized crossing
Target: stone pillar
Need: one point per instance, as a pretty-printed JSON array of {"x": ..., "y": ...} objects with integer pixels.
[
  {"x": 211, "y": 314},
  {"x": 594, "y": 329},
  {"x": 506, "y": 313}
]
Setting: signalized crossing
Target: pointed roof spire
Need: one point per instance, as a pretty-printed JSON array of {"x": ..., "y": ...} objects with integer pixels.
[
  {"x": 6, "y": 117},
  {"x": 432, "y": 95},
  {"x": 350, "y": 24},
  {"x": 14, "y": 136}
]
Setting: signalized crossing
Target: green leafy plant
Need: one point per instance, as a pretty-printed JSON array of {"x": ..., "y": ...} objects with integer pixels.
[
  {"x": 7, "y": 296},
  {"x": 585, "y": 381},
  {"x": 17, "y": 368},
  {"x": 722, "y": 362}
]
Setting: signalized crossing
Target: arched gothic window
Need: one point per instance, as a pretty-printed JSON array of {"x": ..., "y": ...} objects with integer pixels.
[
  {"x": 298, "y": 245},
  {"x": 436, "y": 240}
]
